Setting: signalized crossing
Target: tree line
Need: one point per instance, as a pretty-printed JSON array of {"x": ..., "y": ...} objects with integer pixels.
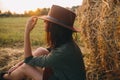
[{"x": 37, "y": 12}]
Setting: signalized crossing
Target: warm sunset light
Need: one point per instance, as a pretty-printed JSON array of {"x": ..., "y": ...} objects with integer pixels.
[{"x": 19, "y": 6}]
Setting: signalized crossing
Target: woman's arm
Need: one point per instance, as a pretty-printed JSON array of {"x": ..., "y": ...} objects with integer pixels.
[{"x": 27, "y": 45}]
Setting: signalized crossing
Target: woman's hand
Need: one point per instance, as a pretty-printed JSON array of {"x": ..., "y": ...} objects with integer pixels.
[
  {"x": 31, "y": 23},
  {"x": 15, "y": 67}
]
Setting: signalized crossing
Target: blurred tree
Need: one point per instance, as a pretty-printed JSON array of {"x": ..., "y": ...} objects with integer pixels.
[
  {"x": 7, "y": 14},
  {"x": 31, "y": 13},
  {"x": 38, "y": 12},
  {"x": 44, "y": 11},
  {"x": 26, "y": 13}
]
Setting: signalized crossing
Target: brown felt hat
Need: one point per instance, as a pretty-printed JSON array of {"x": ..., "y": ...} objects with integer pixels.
[{"x": 61, "y": 16}]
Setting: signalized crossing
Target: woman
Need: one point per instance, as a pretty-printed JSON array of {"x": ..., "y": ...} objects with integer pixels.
[{"x": 64, "y": 58}]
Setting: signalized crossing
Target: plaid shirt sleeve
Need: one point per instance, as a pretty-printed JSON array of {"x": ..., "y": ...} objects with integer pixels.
[{"x": 46, "y": 60}]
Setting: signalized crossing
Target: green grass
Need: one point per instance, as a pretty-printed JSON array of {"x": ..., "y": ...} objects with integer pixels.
[{"x": 12, "y": 32}]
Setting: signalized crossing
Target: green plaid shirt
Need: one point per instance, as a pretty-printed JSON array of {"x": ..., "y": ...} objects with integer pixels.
[{"x": 66, "y": 62}]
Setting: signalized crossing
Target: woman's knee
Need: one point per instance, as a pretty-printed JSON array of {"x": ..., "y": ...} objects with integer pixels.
[{"x": 40, "y": 51}]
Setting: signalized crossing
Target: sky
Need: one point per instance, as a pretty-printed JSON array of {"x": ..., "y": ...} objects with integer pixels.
[{"x": 19, "y": 6}]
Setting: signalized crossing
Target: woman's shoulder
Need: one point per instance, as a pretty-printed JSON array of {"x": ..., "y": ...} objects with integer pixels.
[{"x": 69, "y": 46}]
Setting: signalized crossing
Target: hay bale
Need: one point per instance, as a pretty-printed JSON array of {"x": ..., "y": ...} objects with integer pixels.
[{"x": 100, "y": 28}]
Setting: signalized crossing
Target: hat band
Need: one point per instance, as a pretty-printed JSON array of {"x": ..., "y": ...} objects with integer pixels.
[{"x": 56, "y": 20}]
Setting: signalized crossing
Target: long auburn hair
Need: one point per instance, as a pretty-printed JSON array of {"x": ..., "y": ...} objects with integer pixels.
[{"x": 56, "y": 35}]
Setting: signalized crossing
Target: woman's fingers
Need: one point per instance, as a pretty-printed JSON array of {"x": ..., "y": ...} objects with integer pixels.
[
  {"x": 12, "y": 69},
  {"x": 31, "y": 23},
  {"x": 35, "y": 20}
]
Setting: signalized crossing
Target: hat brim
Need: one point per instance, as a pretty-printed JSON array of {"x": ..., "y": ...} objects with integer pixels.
[{"x": 53, "y": 20}]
